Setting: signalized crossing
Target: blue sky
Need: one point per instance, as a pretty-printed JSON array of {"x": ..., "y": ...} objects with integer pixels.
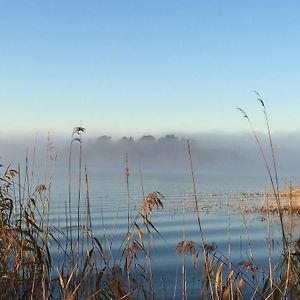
[{"x": 147, "y": 67}]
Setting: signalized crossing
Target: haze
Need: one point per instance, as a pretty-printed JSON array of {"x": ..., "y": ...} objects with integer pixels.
[{"x": 211, "y": 152}]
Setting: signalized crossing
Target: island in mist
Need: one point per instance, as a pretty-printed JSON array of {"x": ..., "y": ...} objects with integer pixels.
[{"x": 210, "y": 151}]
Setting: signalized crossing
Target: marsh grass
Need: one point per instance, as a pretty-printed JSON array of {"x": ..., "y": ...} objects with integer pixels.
[
  {"x": 89, "y": 269},
  {"x": 287, "y": 249}
]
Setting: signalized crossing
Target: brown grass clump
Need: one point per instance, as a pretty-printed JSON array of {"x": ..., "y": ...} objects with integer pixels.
[
  {"x": 25, "y": 258},
  {"x": 290, "y": 201}
]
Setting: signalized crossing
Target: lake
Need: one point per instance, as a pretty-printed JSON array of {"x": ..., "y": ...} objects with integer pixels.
[{"x": 227, "y": 203}]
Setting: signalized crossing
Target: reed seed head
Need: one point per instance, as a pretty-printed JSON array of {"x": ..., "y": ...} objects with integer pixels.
[
  {"x": 249, "y": 266},
  {"x": 153, "y": 199},
  {"x": 41, "y": 188},
  {"x": 79, "y": 130},
  {"x": 243, "y": 112},
  {"x": 186, "y": 246},
  {"x": 10, "y": 174}
]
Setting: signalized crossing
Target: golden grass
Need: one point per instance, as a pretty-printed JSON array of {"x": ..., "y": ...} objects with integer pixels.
[{"x": 289, "y": 201}]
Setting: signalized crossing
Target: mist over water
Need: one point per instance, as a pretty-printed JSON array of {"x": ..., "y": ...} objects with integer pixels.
[{"x": 210, "y": 151}]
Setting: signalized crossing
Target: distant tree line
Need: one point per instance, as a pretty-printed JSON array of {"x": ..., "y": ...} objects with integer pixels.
[{"x": 145, "y": 139}]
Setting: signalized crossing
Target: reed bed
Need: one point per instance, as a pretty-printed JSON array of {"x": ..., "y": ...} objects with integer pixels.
[{"x": 88, "y": 269}]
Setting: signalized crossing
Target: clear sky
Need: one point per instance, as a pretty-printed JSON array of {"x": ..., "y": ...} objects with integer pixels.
[{"x": 147, "y": 67}]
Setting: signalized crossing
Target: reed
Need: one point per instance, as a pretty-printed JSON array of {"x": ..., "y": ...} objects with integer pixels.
[
  {"x": 199, "y": 222},
  {"x": 282, "y": 287},
  {"x": 274, "y": 182}
]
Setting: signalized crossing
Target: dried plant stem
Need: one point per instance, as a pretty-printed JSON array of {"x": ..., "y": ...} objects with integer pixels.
[
  {"x": 229, "y": 245},
  {"x": 79, "y": 191},
  {"x": 277, "y": 195},
  {"x": 288, "y": 271},
  {"x": 148, "y": 256},
  {"x": 128, "y": 215},
  {"x": 69, "y": 228},
  {"x": 20, "y": 196},
  {"x": 229, "y": 233},
  {"x": 274, "y": 187},
  {"x": 33, "y": 159},
  {"x": 205, "y": 254},
  {"x": 89, "y": 231},
  {"x": 183, "y": 269},
  {"x": 249, "y": 247},
  {"x": 270, "y": 140},
  {"x": 269, "y": 245},
  {"x": 141, "y": 180},
  {"x": 127, "y": 189}
]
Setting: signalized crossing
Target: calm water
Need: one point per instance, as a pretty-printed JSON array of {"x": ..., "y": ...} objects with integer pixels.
[{"x": 220, "y": 195}]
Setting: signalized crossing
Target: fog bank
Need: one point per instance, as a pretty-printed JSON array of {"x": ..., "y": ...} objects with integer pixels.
[{"x": 215, "y": 151}]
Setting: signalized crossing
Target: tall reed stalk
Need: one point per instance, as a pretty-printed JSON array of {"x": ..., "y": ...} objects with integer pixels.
[
  {"x": 205, "y": 254},
  {"x": 126, "y": 174},
  {"x": 148, "y": 256},
  {"x": 274, "y": 182},
  {"x": 69, "y": 227}
]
